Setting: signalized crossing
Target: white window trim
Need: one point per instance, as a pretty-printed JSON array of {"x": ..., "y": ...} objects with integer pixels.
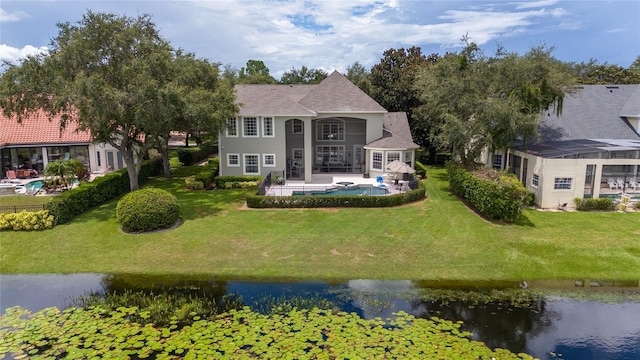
[
  {"x": 293, "y": 126},
  {"x": 386, "y": 157},
  {"x": 244, "y": 134},
  {"x": 229, "y": 164},
  {"x": 325, "y": 121},
  {"x": 244, "y": 164},
  {"x": 562, "y": 177},
  {"x": 381, "y": 160},
  {"x": 537, "y": 178},
  {"x": 236, "y": 127},
  {"x": 273, "y": 126},
  {"x": 264, "y": 160}
]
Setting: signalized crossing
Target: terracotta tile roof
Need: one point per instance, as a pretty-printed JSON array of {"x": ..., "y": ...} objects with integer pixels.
[{"x": 38, "y": 129}]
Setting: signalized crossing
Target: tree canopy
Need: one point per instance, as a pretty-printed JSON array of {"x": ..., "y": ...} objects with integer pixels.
[
  {"x": 255, "y": 72},
  {"x": 303, "y": 75},
  {"x": 392, "y": 86},
  {"x": 359, "y": 75},
  {"x": 118, "y": 78},
  {"x": 594, "y": 73},
  {"x": 473, "y": 102}
]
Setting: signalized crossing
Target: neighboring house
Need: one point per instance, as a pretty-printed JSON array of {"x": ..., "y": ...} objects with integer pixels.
[
  {"x": 304, "y": 130},
  {"x": 38, "y": 140},
  {"x": 592, "y": 150}
]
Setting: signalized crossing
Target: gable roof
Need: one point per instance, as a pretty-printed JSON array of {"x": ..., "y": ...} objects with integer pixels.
[
  {"x": 334, "y": 94},
  {"x": 595, "y": 112},
  {"x": 37, "y": 129},
  {"x": 397, "y": 134}
]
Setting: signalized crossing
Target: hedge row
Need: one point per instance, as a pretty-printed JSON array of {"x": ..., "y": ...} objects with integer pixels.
[
  {"x": 236, "y": 182},
  {"x": 594, "y": 204},
  {"x": 257, "y": 201},
  {"x": 208, "y": 172},
  {"x": 190, "y": 156},
  {"x": 69, "y": 204},
  {"x": 496, "y": 195},
  {"x": 421, "y": 170},
  {"x": 26, "y": 221}
]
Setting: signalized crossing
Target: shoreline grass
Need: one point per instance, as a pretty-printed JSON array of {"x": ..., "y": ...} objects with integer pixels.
[{"x": 435, "y": 239}]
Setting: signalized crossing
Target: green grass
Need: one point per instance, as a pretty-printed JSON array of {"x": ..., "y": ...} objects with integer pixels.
[
  {"x": 17, "y": 200},
  {"x": 439, "y": 238}
]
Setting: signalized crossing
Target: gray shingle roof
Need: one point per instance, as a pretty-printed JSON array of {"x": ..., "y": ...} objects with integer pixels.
[
  {"x": 397, "y": 134},
  {"x": 337, "y": 94},
  {"x": 595, "y": 112},
  {"x": 334, "y": 94}
]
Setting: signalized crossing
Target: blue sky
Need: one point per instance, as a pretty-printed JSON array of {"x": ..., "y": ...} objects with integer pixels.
[{"x": 332, "y": 34}]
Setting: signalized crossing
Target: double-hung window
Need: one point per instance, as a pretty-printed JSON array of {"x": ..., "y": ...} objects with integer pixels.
[
  {"x": 232, "y": 127},
  {"x": 233, "y": 160},
  {"x": 269, "y": 160},
  {"x": 267, "y": 127},
  {"x": 535, "y": 180},
  {"x": 250, "y": 127},
  {"x": 251, "y": 164},
  {"x": 298, "y": 126},
  {"x": 393, "y": 156},
  {"x": 376, "y": 160}
]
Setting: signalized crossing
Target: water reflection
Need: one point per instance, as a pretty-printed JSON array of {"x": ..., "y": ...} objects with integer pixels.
[{"x": 539, "y": 326}]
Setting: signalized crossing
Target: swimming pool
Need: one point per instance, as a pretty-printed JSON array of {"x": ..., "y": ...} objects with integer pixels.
[
  {"x": 36, "y": 185},
  {"x": 355, "y": 190}
]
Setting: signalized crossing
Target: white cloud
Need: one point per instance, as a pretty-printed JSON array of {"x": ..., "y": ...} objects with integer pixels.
[
  {"x": 536, "y": 4},
  {"x": 6, "y": 16},
  {"x": 13, "y": 55}
]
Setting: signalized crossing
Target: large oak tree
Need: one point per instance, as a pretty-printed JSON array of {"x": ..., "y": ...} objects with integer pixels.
[
  {"x": 115, "y": 76},
  {"x": 473, "y": 102}
]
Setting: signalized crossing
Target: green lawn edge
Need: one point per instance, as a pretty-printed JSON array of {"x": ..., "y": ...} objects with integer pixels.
[{"x": 435, "y": 239}]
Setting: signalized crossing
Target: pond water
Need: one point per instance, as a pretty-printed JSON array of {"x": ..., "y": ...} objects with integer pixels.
[{"x": 554, "y": 326}]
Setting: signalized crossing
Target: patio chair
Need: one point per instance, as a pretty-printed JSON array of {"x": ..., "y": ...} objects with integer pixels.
[
  {"x": 11, "y": 175},
  {"x": 633, "y": 184},
  {"x": 612, "y": 183}
]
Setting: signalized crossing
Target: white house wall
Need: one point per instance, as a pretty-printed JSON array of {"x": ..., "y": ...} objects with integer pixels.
[{"x": 549, "y": 169}]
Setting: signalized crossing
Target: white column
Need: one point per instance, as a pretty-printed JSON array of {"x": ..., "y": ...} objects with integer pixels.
[{"x": 308, "y": 151}]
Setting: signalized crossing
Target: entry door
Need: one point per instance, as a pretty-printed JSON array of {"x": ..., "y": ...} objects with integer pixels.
[
  {"x": 358, "y": 158},
  {"x": 115, "y": 160},
  {"x": 110, "y": 160}
]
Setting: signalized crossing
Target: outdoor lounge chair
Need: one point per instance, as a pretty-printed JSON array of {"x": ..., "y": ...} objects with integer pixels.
[
  {"x": 11, "y": 175},
  {"x": 612, "y": 183}
]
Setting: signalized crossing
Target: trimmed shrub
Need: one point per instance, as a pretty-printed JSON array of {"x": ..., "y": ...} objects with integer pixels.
[
  {"x": 421, "y": 170},
  {"x": 257, "y": 201},
  {"x": 193, "y": 184},
  {"x": 76, "y": 201},
  {"x": 26, "y": 221},
  {"x": 190, "y": 156},
  {"x": 605, "y": 204},
  {"x": 147, "y": 209},
  {"x": 237, "y": 182},
  {"x": 496, "y": 195}
]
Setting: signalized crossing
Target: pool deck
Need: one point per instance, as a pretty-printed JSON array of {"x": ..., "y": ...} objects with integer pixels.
[{"x": 322, "y": 182}]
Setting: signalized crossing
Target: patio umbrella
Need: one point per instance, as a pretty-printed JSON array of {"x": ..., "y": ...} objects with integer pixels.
[{"x": 398, "y": 166}]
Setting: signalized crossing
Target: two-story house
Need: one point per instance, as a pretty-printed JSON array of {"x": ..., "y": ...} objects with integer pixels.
[{"x": 303, "y": 130}]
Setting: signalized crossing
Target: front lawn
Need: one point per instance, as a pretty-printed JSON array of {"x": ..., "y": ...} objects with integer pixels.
[{"x": 439, "y": 238}]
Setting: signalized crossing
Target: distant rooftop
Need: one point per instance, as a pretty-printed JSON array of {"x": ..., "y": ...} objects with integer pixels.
[
  {"x": 594, "y": 112},
  {"x": 568, "y": 148}
]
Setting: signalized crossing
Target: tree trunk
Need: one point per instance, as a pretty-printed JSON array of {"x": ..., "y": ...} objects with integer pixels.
[
  {"x": 133, "y": 169},
  {"x": 164, "y": 150}
]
